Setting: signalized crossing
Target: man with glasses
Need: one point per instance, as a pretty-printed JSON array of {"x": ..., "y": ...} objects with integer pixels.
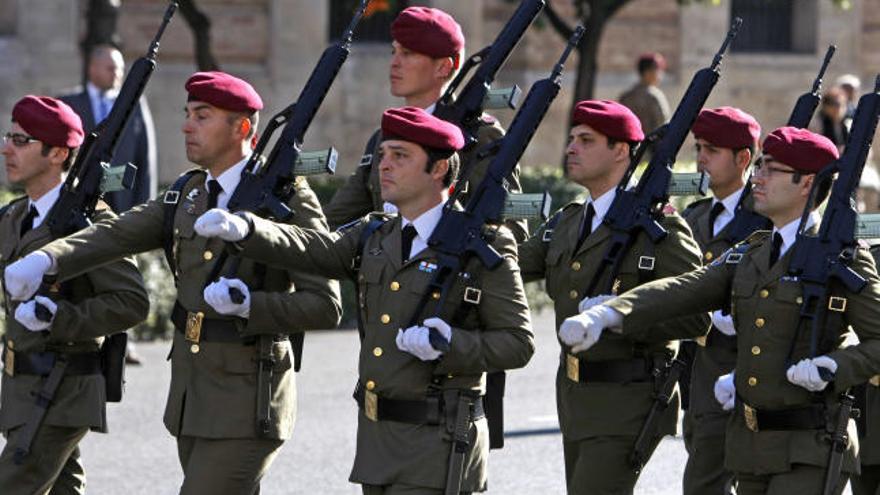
[
  {"x": 38, "y": 149},
  {"x": 777, "y": 437},
  {"x": 726, "y": 141}
]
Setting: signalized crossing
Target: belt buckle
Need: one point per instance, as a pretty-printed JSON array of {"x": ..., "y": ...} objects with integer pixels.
[
  {"x": 751, "y": 417},
  {"x": 572, "y": 368},
  {"x": 371, "y": 405},
  {"x": 194, "y": 326},
  {"x": 9, "y": 360}
]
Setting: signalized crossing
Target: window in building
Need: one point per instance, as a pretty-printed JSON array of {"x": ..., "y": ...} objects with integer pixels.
[
  {"x": 775, "y": 26},
  {"x": 376, "y": 23}
]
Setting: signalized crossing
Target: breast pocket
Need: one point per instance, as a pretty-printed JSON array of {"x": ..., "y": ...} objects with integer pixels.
[
  {"x": 788, "y": 296},
  {"x": 741, "y": 291},
  {"x": 369, "y": 290},
  {"x": 556, "y": 275},
  {"x": 187, "y": 254}
]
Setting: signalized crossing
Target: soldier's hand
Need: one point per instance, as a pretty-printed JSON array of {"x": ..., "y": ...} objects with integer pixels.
[
  {"x": 26, "y": 314},
  {"x": 806, "y": 373},
  {"x": 588, "y": 302},
  {"x": 218, "y": 296},
  {"x": 220, "y": 223},
  {"x": 725, "y": 391},
  {"x": 415, "y": 341},
  {"x": 582, "y": 331},
  {"x": 22, "y": 279},
  {"x": 724, "y": 323}
]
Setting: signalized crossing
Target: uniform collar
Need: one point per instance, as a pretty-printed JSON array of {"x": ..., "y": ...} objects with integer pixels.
[
  {"x": 731, "y": 201},
  {"x": 426, "y": 222},
  {"x": 601, "y": 204},
  {"x": 230, "y": 177},
  {"x": 45, "y": 203},
  {"x": 789, "y": 231}
]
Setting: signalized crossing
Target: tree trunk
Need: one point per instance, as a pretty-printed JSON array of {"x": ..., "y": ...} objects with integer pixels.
[{"x": 201, "y": 28}]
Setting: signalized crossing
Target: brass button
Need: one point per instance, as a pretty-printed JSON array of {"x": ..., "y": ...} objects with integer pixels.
[
  {"x": 756, "y": 350},
  {"x": 377, "y": 351},
  {"x": 176, "y": 231},
  {"x": 799, "y": 300},
  {"x": 709, "y": 256},
  {"x": 764, "y": 293},
  {"x": 386, "y": 318},
  {"x": 395, "y": 286},
  {"x": 370, "y": 385},
  {"x": 576, "y": 266},
  {"x": 573, "y": 294},
  {"x": 450, "y": 376},
  {"x": 194, "y": 348},
  {"x": 208, "y": 255},
  {"x": 759, "y": 322},
  {"x": 436, "y": 295},
  {"x": 753, "y": 381}
]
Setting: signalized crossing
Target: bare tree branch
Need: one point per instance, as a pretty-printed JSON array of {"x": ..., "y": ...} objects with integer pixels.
[
  {"x": 201, "y": 28},
  {"x": 561, "y": 27}
]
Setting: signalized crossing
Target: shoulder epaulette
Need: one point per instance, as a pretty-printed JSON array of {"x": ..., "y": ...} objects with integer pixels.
[
  {"x": 734, "y": 255},
  {"x": 551, "y": 223},
  {"x": 172, "y": 195},
  {"x": 9, "y": 205},
  {"x": 376, "y": 216},
  {"x": 691, "y": 207}
]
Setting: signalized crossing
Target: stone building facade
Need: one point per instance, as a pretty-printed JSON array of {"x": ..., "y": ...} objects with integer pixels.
[{"x": 275, "y": 44}]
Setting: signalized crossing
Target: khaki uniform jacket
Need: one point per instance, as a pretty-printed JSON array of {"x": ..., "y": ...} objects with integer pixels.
[
  {"x": 588, "y": 410},
  {"x": 765, "y": 304},
  {"x": 714, "y": 361},
  {"x": 494, "y": 335},
  {"x": 102, "y": 301},
  {"x": 213, "y": 385},
  {"x": 649, "y": 104},
  {"x": 361, "y": 193},
  {"x": 869, "y": 445}
]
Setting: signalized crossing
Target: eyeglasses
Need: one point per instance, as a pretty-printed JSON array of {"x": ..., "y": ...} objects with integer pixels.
[
  {"x": 762, "y": 168},
  {"x": 18, "y": 139}
]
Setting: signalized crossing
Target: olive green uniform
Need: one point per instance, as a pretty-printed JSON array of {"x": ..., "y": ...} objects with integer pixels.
[
  {"x": 361, "y": 193},
  {"x": 600, "y": 419},
  {"x": 492, "y": 334},
  {"x": 705, "y": 421},
  {"x": 102, "y": 301},
  {"x": 648, "y": 103},
  {"x": 765, "y": 304},
  {"x": 211, "y": 407}
]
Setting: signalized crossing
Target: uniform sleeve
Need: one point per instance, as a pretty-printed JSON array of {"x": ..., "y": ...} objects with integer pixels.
[
  {"x": 313, "y": 302},
  {"x": 353, "y": 199},
  {"x": 118, "y": 301},
  {"x": 135, "y": 231},
  {"x": 292, "y": 247},
  {"x": 533, "y": 255},
  {"x": 505, "y": 340},
  {"x": 857, "y": 364}
]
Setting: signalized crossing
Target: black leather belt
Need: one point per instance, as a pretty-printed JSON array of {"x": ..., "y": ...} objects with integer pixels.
[
  {"x": 213, "y": 329},
  {"x": 417, "y": 412},
  {"x": 40, "y": 363},
  {"x": 614, "y": 371},
  {"x": 720, "y": 340},
  {"x": 811, "y": 417}
]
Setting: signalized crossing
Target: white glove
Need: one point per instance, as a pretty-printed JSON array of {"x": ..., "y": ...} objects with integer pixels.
[
  {"x": 588, "y": 302},
  {"x": 217, "y": 296},
  {"x": 724, "y": 323},
  {"x": 414, "y": 340},
  {"x": 806, "y": 373},
  {"x": 582, "y": 331},
  {"x": 26, "y": 314},
  {"x": 725, "y": 391},
  {"x": 222, "y": 224},
  {"x": 22, "y": 279}
]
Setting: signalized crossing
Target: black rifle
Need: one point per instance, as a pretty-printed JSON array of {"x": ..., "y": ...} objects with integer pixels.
[
  {"x": 89, "y": 178},
  {"x": 822, "y": 262},
  {"x": 267, "y": 184},
  {"x": 746, "y": 221},
  {"x": 647, "y": 439},
  {"x": 458, "y": 237},
  {"x": 465, "y": 110}
]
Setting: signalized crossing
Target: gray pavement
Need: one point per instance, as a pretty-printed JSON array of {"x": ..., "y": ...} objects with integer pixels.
[{"x": 139, "y": 456}]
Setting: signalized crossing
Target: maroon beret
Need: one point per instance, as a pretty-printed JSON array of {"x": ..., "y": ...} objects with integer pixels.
[
  {"x": 610, "y": 118},
  {"x": 418, "y": 126},
  {"x": 800, "y": 149},
  {"x": 50, "y": 120},
  {"x": 727, "y": 127},
  {"x": 223, "y": 91},
  {"x": 428, "y": 31}
]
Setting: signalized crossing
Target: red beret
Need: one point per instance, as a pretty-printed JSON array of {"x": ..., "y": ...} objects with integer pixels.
[
  {"x": 610, "y": 118},
  {"x": 428, "y": 31},
  {"x": 418, "y": 126},
  {"x": 223, "y": 91},
  {"x": 50, "y": 120},
  {"x": 727, "y": 127},
  {"x": 800, "y": 149}
]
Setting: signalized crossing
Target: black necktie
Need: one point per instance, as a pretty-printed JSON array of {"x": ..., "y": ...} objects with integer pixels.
[
  {"x": 406, "y": 239},
  {"x": 214, "y": 191},
  {"x": 28, "y": 223},
  {"x": 717, "y": 209},
  {"x": 777, "y": 246},
  {"x": 586, "y": 225}
]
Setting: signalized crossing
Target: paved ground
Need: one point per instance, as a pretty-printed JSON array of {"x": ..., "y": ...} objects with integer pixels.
[{"x": 139, "y": 457}]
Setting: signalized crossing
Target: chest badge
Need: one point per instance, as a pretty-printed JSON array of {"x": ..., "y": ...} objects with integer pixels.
[{"x": 427, "y": 267}]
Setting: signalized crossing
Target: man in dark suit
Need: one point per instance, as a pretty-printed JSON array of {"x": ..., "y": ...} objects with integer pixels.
[{"x": 138, "y": 142}]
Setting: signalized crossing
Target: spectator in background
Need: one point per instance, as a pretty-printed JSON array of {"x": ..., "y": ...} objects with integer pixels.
[
  {"x": 850, "y": 84},
  {"x": 831, "y": 121},
  {"x": 645, "y": 98}
]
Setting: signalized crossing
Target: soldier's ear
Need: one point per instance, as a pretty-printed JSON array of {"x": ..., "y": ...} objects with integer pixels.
[
  {"x": 742, "y": 158},
  {"x": 58, "y": 154}
]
